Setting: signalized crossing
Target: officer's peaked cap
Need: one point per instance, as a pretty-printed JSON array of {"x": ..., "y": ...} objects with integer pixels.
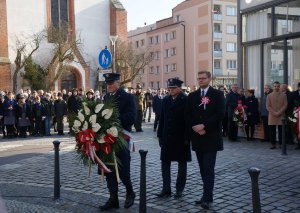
[
  {"x": 174, "y": 82},
  {"x": 111, "y": 77}
]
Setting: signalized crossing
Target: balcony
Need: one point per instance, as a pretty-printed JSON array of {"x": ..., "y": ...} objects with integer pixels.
[
  {"x": 218, "y": 71},
  {"x": 217, "y": 17},
  {"x": 218, "y": 53},
  {"x": 218, "y": 35}
]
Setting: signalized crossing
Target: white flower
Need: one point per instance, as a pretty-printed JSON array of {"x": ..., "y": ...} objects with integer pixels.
[
  {"x": 75, "y": 129},
  {"x": 86, "y": 109},
  {"x": 77, "y": 123},
  {"x": 98, "y": 107},
  {"x": 236, "y": 112},
  {"x": 102, "y": 140},
  {"x": 113, "y": 131},
  {"x": 96, "y": 127},
  {"x": 80, "y": 116},
  {"x": 93, "y": 119},
  {"x": 107, "y": 113},
  {"x": 85, "y": 125},
  {"x": 294, "y": 120},
  {"x": 235, "y": 119}
]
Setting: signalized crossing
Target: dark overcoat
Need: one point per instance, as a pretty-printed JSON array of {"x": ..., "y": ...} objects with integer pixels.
[
  {"x": 171, "y": 130},
  {"x": 157, "y": 102},
  {"x": 127, "y": 108},
  {"x": 211, "y": 117},
  {"x": 252, "y": 107},
  {"x": 231, "y": 103}
]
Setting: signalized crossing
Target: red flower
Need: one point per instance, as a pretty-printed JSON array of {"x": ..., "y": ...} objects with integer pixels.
[
  {"x": 106, "y": 148},
  {"x": 108, "y": 138},
  {"x": 97, "y": 146}
]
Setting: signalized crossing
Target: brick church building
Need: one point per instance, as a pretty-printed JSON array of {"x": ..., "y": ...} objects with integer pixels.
[{"x": 93, "y": 20}]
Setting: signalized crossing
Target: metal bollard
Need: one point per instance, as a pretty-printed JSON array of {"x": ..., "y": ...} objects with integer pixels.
[
  {"x": 56, "y": 171},
  {"x": 142, "y": 206},
  {"x": 254, "y": 173},
  {"x": 283, "y": 137}
]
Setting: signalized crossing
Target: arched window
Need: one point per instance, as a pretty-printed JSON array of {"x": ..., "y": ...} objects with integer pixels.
[
  {"x": 68, "y": 81},
  {"x": 59, "y": 13}
]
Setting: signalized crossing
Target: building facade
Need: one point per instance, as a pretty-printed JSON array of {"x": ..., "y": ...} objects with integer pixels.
[
  {"x": 200, "y": 35},
  {"x": 269, "y": 43},
  {"x": 93, "y": 21}
]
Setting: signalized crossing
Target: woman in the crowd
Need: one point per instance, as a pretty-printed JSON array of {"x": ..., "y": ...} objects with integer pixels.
[
  {"x": 252, "y": 114},
  {"x": 48, "y": 106},
  {"x": 38, "y": 114},
  {"x": 54, "y": 120},
  {"x": 9, "y": 113},
  {"x": 23, "y": 114},
  {"x": 90, "y": 95}
]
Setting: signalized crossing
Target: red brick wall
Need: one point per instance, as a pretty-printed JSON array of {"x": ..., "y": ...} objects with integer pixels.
[
  {"x": 5, "y": 74},
  {"x": 118, "y": 22}
]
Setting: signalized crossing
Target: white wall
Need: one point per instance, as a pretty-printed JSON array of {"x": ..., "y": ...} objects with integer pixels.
[{"x": 92, "y": 22}]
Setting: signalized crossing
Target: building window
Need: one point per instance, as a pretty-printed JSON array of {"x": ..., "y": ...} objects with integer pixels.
[
  {"x": 231, "y": 47},
  {"x": 178, "y": 18},
  {"x": 174, "y": 67},
  {"x": 173, "y": 35},
  {"x": 231, "y": 29},
  {"x": 151, "y": 84},
  {"x": 217, "y": 46},
  {"x": 217, "y": 9},
  {"x": 151, "y": 40},
  {"x": 157, "y": 40},
  {"x": 142, "y": 71},
  {"x": 231, "y": 64},
  {"x": 157, "y": 85},
  {"x": 142, "y": 42},
  {"x": 151, "y": 70},
  {"x": 217, "y": 64},
  {"x": 167, "y": 53},
  {"x": 173, "y": 51},
  {"x": 231, "y": 11},
  {"x": 59, "y": 12},
  {"x": 157, "y": 55},
  {"x": 167, "y": 38},
  {"x": 217, "y": 28},
  {"x": 157, "y": 70},
  {"x": 137, "y": 44},
  {"x": 167, "y": 68}
]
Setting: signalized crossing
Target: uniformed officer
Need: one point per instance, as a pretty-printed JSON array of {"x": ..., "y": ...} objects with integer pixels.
[
  {"x": 127, "y": 115},
  {"x": 139, "y": 100},
  {"x": 171, "y": 134}
]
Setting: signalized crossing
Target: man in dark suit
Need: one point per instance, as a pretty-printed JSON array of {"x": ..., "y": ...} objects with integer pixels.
[
  {"x": 231, "y": 103},
  {"x": 127, "y": 114},
  {"x": 172, "y": 140},
  {"x": 204, "y": 114},
  {"x": 294, "y": 101}
]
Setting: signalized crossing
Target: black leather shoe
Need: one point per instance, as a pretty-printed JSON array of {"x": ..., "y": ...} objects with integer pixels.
[
  {"x": 205, "y": 205},
  {"x": 110, "y": 204},
  {"x": 164, "y": 194},
  {"x": 178, "y": 195},
  {"x": 129, "y": 200}
]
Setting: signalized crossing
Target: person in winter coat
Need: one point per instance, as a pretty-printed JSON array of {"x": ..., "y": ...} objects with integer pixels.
[
  {"x": 48, "y": 106},
  {"x": 23, "y": 114},
  {"x": 38, "y": 115},
  {"x": 9, "y": 113},
  {"x": 171, "y": 134},
  {"x": 60, "y": 110},
  {"x": 252, "y": 114},
  {"x": 276, "y": 105},
  {"x": 157, "y": 102}
]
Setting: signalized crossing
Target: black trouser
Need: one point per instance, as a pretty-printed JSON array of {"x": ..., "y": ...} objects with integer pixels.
[
  {"x": 166, "y": 176},
  {"x": 124, "y": 172},
  {"x": 266, "y": 128},
  {"x": 225, "y": 125},
  {"x": 156, "y": 121},
  {"x": 207, "y": 161},
  {"x": 273, "y": 134},
  {"x": 138, "y": 120},
  {"x": 38, "y": 124},
  {"x": 60, "y": 124},
  {"x": 232, "y": 130},
  {"x": 250, "y": 128},
  {"x": 22, "y": 130},
  {"x": 289, "y": 134},
  {"x": 10, "y": 130}
]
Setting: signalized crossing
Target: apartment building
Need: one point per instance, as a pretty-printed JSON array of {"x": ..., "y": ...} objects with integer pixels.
[{"x": 200, "y": 35}]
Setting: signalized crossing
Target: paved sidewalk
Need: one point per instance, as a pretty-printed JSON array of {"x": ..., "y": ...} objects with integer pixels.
[{"x": 27, "y": 185}]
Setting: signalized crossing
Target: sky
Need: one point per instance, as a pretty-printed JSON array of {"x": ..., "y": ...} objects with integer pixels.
[{"x": 149, "y": 11}]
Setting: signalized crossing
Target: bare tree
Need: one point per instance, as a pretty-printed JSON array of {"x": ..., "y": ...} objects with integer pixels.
[
  {"x": 24, "y": 50},
  {"x": 130, "y": 61},
  {"x": 65, "y": 47}
]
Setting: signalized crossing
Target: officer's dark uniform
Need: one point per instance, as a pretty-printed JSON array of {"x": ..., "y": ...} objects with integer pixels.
[
  {"x": 171, "y": 134},
  {"x": 127, "y": 115}
]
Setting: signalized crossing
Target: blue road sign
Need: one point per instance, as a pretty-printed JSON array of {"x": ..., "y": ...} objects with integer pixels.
[{"x": 105, "y": 58}]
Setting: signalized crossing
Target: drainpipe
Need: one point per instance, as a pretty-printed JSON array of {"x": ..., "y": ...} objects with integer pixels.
[{"x": 184, "y": 55}]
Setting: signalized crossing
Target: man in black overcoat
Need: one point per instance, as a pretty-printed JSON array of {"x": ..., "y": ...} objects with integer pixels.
[
  {"x": 231, "y": 103},
  {"x": 294, "y": 101},
  {"x": 127, "y": 115},
  {"x": 171, "y": 134},
  {"x": 157, "y": 102},
  {"x": 204, "y": 114}
]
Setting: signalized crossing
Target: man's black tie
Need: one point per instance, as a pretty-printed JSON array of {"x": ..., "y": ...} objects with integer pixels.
[{"x": 202, "y": 93}]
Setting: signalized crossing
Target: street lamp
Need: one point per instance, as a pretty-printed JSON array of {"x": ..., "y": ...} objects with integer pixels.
[{"x": 113, "y": 40}]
